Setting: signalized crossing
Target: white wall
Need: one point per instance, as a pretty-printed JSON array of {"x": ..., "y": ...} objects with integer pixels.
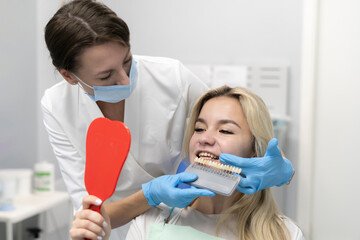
[
  {"x": 336, "y": 194},
  {"x": 332, "y": 193},
  {"x": 18, "y": 84}
]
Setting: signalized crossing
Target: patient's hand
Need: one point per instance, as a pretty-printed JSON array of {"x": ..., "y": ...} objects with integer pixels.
[{"x": 90, "y": 224}]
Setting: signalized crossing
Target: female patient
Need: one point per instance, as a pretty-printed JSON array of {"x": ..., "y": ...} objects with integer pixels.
[{"x": 224, "y": 120}]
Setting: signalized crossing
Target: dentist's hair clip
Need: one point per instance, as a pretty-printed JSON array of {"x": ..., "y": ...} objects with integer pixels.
[{"x": 215, "y": 176}]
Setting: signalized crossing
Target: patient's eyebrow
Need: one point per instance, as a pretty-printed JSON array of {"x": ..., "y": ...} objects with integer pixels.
[
  {"x": 200, "y": 120},
  {"x": 228, "y": 121},
  {"x": 223, "y": 121}
]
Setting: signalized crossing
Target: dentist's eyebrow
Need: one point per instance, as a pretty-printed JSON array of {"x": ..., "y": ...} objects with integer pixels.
[
  {"x": 103, "y": 72},
  {"x": 128, "y": 51}
]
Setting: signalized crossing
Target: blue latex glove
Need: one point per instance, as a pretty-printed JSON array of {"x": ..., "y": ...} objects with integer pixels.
[
  {"x": 164, "y": 189},
  {"x": 261, "y": 173}
]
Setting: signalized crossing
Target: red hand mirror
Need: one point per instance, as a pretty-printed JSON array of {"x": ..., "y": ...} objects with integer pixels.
[{"x": 107, "y": 147}]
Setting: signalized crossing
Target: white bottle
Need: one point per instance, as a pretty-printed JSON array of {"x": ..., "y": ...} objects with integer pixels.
[{"x": 44, "y": 177}]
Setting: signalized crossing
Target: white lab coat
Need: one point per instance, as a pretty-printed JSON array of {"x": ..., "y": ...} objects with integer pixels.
[{"x": 155, "y": 113}]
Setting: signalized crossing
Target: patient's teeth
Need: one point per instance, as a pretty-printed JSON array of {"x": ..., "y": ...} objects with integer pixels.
[{"x": 207, "y": 155}]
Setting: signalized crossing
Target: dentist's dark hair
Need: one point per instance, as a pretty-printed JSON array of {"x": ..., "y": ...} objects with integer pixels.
[{"x": 81, "y": 24}]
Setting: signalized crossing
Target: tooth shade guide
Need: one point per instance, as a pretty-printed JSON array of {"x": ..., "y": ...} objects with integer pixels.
[
  {"x": 217, "y": 165},
  {"x": 214, "y": 176}
]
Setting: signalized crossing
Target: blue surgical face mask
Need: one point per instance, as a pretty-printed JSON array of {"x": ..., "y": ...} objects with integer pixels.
[{"x": 114, "y": 93}]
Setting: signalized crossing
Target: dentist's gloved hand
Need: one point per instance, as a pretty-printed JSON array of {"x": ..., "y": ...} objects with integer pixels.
[
  {"x": 164, "y": 189},
  {"x": 263, "y": 172}
]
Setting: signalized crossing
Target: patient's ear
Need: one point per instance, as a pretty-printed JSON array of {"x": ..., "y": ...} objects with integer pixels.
[{"x": 68, "y": 76}]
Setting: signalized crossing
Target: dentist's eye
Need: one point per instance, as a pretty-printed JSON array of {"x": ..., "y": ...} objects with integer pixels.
[
  {"x": 128, "y": 60},
  {"x": 106, "y": 78},
  {"x": 127, "y": 66},
  {"x": 226, "y": 132},
  {"x": 127, "y": 63}
]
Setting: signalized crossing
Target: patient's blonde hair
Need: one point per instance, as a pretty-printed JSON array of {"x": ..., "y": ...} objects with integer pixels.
[{"x": 256, "y": 215}]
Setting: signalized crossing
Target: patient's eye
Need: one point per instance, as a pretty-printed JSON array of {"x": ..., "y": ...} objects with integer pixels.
[
  {"x": 198, "y": 129},
  {"x": 226, "y": 131}
]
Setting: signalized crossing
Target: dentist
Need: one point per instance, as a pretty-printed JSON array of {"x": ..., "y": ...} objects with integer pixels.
[{"x": 90, "y": 47}]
